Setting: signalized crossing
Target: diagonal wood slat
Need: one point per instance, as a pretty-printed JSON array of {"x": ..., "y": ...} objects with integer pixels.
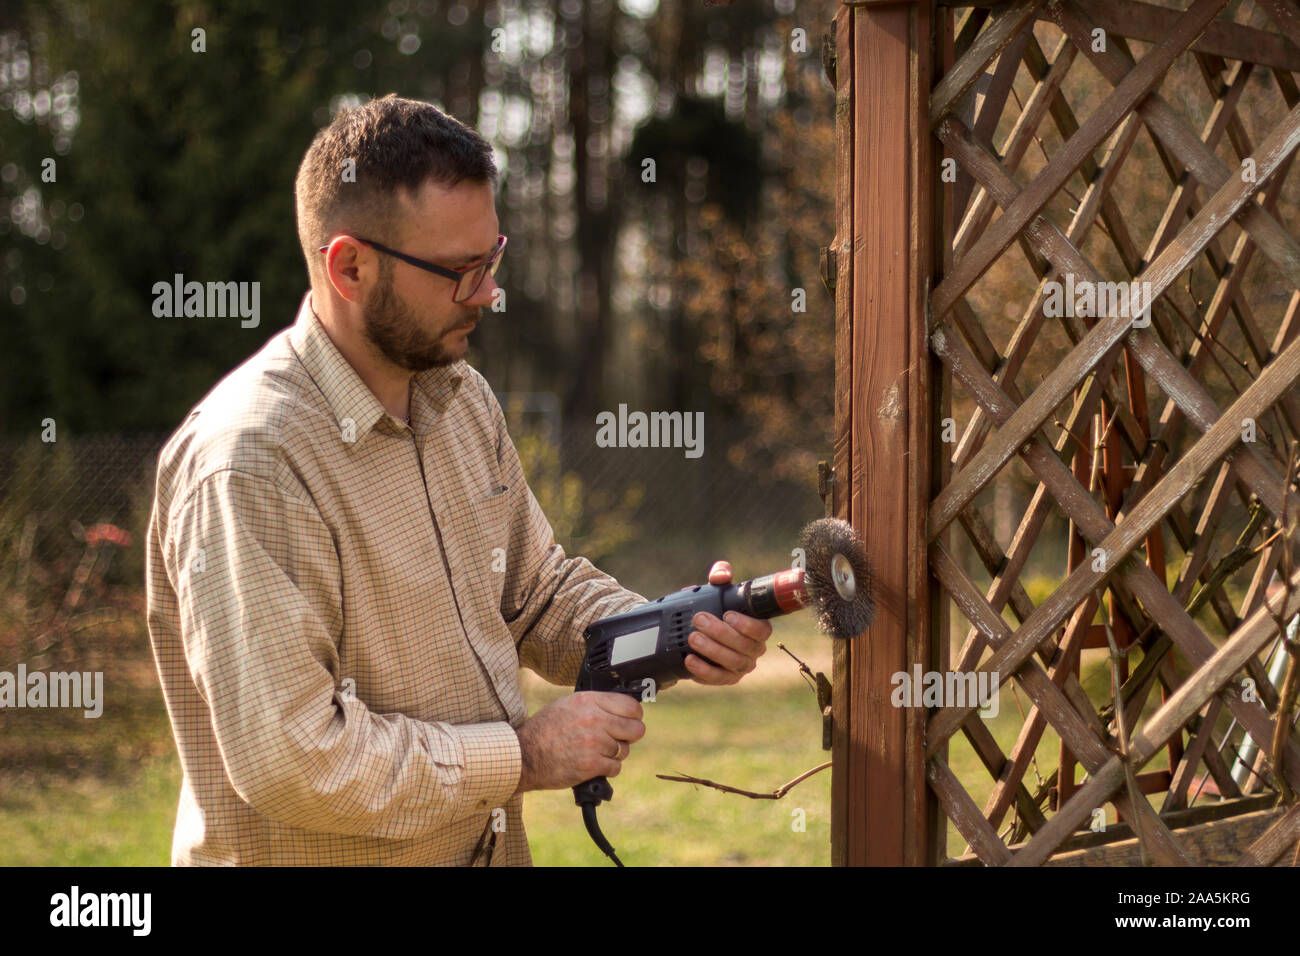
[
  {"x": 1005, "y": 25},
  {"x": 1150, "y": 590},
  {"x": 1029, "y": 416},
  {"x": 1209, "y": 680},
  {"x": 1183, "y": 142},
  {"x": 1058, "y": 710},
  {"x": 1146, "y": 457},
  {"x": 1136, "y": 84}
]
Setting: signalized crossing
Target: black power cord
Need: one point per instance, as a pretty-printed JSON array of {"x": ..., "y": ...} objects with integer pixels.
[
  {"x": 598, "y": 838},
  {"x": 589, "y": 795}
]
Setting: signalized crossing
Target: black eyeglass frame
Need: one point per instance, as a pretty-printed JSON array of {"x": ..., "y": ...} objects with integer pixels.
[{"x": 488, "y": 266}]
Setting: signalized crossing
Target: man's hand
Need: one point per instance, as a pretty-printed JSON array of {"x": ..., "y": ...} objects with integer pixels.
[
  {"x": 576, "y": 738},
  {"x": 734, "y": 644}
]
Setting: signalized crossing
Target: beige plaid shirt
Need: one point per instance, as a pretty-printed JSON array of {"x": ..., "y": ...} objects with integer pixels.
[{"x": 339, "y": 605}]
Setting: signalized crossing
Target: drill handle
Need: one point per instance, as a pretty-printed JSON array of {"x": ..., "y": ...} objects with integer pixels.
[
  {"x": 593, "y": 792},
  {"x": 597, "y": 790}
]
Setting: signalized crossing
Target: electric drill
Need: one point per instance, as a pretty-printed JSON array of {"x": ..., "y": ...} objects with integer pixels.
[{"x": 642, "y": 651}]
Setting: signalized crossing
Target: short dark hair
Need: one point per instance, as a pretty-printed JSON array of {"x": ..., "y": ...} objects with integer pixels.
[{"x": 395, "y": 144}]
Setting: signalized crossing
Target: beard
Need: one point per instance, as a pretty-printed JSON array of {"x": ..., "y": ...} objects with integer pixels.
[{"x": 391, "y": 326}]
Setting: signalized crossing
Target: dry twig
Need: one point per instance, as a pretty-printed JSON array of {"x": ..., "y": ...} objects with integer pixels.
[
  {"x": 776, "y": 794},
  {"x": 821, "y": 687}
]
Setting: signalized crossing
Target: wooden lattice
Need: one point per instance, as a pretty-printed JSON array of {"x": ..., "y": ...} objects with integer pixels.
[{"x": 1148, "y": 457}]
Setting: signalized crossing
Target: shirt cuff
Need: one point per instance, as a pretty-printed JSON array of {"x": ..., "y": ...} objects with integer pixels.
[{"x": 493, "y": 764}]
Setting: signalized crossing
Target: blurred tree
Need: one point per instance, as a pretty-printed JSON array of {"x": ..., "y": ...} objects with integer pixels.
[
  {"x": 169, "y": 160},
  {"x": 670, "y": 294},
  {"x": 749, "y": 215}
]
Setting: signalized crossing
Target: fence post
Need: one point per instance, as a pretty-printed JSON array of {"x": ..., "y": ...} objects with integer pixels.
[{"x": 882, "y": 810}]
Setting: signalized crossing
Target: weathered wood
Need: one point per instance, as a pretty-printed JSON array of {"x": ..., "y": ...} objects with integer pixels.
[
  {"x": 1023, "y": 420},
  {"x": 1176, "y": 820},
  {"x": 841, "y": 662},
  {"x": 992, "y": 105},
  {"x": 1020, "y": 137},
  {"x": 888, "y": 816},
  {"x": 1159, "y": 603},
  {"x": 893, "y": 391},
  {"x": 1135, "y": 689},
  {"x": 1031, "y": 676},
  {"x": 1276, "y": 840},
  {"x": 1286, "y": 18},
  {"x": 1035, "y": 721},
  {"x": 1027, "y": 330},
  {"x": 1176, "y": 796},
  {"x": 1006, "y": 584},
  {"x": 1190, "y": 697},
  {"x": 971, "y": 25},
  {"x": 1136, "y": 84},
  {"x": 941, "y": 409},
  {"x": 1185, "y": 191},
  {"x": 1184, "y": 144},
  {"x": 1067, "y": 721},
  {"x": 1033, "y": 317},
  {"x": 1026, "y": 418},
  {"x": 965, "y": 815},
  {"x": 1149, "y": 23},
  {"x": 921, "y": 818},
  {"x": 1005, "y": 25},
  {"x": 1217, "y": 843},
  {"x": 1004, "y": 771},
  {"x": 1222, "y": 776}
]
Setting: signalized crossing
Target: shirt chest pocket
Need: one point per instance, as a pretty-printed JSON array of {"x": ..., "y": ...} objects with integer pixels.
[{"x": 483, "y": 541}]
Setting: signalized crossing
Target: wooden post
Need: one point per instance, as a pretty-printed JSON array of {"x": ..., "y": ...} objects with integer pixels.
[{"x": 882, "y": 810}]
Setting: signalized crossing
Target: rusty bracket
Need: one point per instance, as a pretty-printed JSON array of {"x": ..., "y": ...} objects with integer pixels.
[
  {"x": 829, "y": 266},
  {"x": 826, "y": 486},
  {"x": 824, "y": 702},
  {"x": 828, "y": 54}
]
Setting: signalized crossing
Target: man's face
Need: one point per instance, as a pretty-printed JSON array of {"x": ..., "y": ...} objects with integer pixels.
[{"x": 409, "y": 315}]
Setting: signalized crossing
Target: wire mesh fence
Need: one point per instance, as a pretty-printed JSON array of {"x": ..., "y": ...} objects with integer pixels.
[{"x": 74, "y": 514}]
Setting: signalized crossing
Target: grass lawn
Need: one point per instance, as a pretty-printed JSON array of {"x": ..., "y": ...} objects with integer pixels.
[
  {"x": 103, "y": 792},
  {"x": 92, "y": 822}
]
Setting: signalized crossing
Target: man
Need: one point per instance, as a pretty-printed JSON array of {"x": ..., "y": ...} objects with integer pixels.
[{"x": 346, "y": 568}]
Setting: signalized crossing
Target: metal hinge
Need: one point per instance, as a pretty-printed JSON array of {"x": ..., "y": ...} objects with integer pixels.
[
  {"x": 828, "y": 54},
  {"x": 826, "y": 486},
  {"x": 829, "y": 267},
  {"x": 824, "y": 702}
]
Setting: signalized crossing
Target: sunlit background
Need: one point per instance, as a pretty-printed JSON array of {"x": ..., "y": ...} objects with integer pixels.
[{"x": 128, "y": 156}]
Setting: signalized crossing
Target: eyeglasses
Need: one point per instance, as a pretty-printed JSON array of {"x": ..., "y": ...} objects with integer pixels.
[{"x": 467, "y": 280}]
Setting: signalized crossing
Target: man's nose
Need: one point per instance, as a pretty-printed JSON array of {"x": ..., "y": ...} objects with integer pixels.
[{"x": 484, "y": 294}]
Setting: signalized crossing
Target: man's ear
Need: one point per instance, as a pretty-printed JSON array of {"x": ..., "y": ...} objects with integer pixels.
[{"x": 348, "y": 266}]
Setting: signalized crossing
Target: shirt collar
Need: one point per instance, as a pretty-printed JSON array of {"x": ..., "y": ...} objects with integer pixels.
[
  {"x": 440, "y": 384},
  {"x": 346, "y": 394}
]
